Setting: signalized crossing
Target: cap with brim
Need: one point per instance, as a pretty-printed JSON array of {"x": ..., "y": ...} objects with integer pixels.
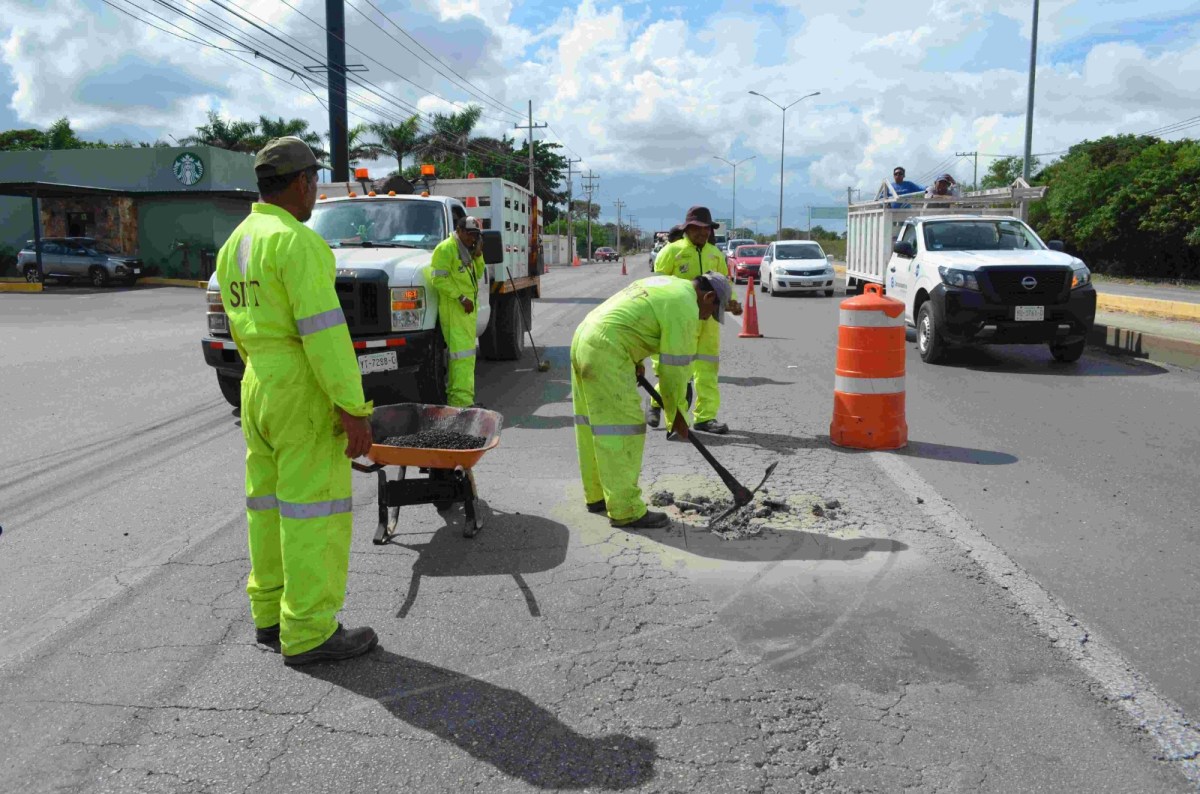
[
  {"x": 724, "y": 291},
  {"x": 944, "y": 178},
  {"x": 283, "y": 156},
  {"x": 471, "y": 224}
]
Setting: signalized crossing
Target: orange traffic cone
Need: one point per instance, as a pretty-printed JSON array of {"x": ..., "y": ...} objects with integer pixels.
[
  {"x": 576, "y": 262},
  {"x": 750, "y": 317},
  {"x": 624, "y": 272}
]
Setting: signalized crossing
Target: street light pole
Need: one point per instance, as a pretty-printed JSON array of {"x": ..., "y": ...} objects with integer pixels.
[
  {"x": 1029, "y": 103},
  {"x": 733, "y": 219},
  {"x": 782, "y": 138}
]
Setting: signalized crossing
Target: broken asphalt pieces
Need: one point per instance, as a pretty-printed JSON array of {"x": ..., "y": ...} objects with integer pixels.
[{"x": 751, "y": 519}]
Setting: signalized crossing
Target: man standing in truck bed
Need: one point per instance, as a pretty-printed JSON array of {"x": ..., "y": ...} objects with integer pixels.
[
  {"x": 303, "y": 412},
  {"x": 455, "y": 271}
]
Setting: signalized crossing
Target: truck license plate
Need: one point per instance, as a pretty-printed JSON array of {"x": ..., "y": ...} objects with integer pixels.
[
  {"x": 377, "y": 362},
  {"x": 1030, "y": 313}
]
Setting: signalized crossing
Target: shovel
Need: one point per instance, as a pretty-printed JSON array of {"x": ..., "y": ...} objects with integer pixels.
[{"x": 742, "y": 496}]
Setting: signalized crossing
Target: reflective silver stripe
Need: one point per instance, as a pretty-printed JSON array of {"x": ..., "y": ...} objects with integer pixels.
[
  {"x": 439, "y": 272},
  {"x": 675, "y": 361},
  {"x": 868, "y": 385},
  {"x": 869, "y": 318},
  {"x": 709, "y": 359},
  {"x": 619, "y": 430},
  {"x": 581, "y": 420},
  {"x": 319, "y": 322},
  {"x": 314, "y": 509},
  {"x": 463, "y": 354},
  {"x": 243, "y": 253},
  {"x": 261, "y": 503}
]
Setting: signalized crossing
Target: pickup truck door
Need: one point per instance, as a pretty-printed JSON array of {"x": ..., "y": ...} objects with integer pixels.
[{"x": 900, "y": 271}]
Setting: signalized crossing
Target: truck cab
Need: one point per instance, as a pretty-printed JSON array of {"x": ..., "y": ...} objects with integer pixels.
[{"x": 382, "y": 245}]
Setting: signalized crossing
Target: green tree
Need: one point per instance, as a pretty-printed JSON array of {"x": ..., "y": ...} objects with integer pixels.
[
  {"x": 269, "y": 129},
  {"x": 22, "y": 140},
  {"x": 400, "y": 140},
  {"x": 1004, "y": 171},
  {"x": 451, "y": 134},
  {"x": 236, "y": 136}
]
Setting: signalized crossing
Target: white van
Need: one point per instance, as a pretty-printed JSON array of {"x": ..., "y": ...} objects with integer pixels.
[{"x": 796, "y": 266}]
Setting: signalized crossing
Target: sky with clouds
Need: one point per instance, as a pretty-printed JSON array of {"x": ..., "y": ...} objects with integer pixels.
[{"x": 646, "y": 94}]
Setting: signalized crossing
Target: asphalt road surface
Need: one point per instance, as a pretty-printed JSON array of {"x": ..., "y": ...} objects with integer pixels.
[{"x": 922, "y": 633}]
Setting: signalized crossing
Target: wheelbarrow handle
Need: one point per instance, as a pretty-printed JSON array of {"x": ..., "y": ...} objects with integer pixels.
[
  {"x": 740, "y": 493},
  {"x": 374, "y": 467}
]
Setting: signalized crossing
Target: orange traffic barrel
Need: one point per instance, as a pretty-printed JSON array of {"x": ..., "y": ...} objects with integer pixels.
[{"x": 868, "y": 392}]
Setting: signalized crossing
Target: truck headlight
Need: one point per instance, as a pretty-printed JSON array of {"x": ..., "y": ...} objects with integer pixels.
[
  {"x": 408, "y": 308},
  {"x": 959, "y": 278},
  {"x": 1080, "y": 277}
]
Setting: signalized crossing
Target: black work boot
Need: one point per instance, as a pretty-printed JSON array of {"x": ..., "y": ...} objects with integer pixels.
[
  {"x": 653, "y": 416},
  {"x": 712, "y": 426},
  {"x": 651, "y": 520},
  {"x": 343, "y": 644},
  {"x": 268, "y": 637},
  {"x": 597, "y": 506}
]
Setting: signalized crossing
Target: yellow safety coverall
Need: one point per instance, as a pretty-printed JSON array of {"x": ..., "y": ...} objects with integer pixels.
[
  {"x": 656, "y": 315},
  {"x": 454, "y": 279},
  {"x": 277, "y": 284},
  {"x": 683, "y": 260}
]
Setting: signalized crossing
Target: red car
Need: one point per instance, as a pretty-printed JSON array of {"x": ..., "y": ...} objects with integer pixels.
[
  {"x": 745, "y": 262},
  {"x": 606, "y": 254}
]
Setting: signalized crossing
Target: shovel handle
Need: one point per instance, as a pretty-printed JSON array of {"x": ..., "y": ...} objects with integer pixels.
[{"x": 740, "y": 494}]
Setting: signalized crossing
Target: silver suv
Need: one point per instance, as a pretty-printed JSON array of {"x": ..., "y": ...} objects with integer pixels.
[{"x": 67, "y": 258}]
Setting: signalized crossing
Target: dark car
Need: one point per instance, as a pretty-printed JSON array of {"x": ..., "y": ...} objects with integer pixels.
[
  {"x": 606, "y": 254},
  {"x": 65, "y": 259},
  {"x": 746, "y": 261}
]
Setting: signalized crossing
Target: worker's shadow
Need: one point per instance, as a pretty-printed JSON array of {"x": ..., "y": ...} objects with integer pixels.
[
  {"x": 499, "y": 726},
  {"x": 509, "y": 544},
  {"x": 771, "y": 546}
]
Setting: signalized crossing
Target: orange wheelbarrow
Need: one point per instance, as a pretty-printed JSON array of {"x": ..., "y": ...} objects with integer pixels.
[{"x": 449, "y": 479}]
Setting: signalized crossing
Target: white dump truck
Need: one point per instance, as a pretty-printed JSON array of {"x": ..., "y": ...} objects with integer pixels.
[
  {"x": 383, "y": 242},
  {"x": 971, "y": 271}
]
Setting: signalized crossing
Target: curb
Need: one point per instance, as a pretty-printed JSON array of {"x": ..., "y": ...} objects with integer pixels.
[
  {"x": 20, "y": 286},
  {"x": 1148, "y": 307},
  {"x": 1164, "y": 349},
  {"x": 173, "y": 282}
]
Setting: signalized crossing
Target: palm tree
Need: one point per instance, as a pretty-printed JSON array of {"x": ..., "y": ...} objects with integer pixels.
[
  {"x": 451, "y": 133},
  {"x": 400, "y": 139},
  {"x": 361, "y": 148},
  {"x": 270, "y": 129},
  {"x": 236, "y": 136}
]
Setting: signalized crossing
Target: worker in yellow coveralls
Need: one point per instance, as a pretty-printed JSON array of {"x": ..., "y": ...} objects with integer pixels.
[
  {"x": 654, "y": 316},
  {"x": 302, "y": 410},
  {"x": 455, "y": 272},
  {"x": 685, "y": 258}
]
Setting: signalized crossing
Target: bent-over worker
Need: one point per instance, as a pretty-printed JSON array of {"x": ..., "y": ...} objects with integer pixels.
[
  {"x": 654, "y": 316},
  {"x": 454, "y": 272},
  {"x": 303, "y": 412},
  {"x": 685, "y": 258}
]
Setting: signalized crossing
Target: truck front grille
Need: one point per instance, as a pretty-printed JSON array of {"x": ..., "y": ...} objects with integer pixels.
[
  {"x": 1008, "y": 284},
  {"x": 364, "y": 297}
]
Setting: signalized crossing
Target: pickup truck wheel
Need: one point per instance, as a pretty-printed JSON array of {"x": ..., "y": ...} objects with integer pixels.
[
  {"x": 32, "y": 275},
  {"x": 231, "y": 390},
  {"x": 504, "y": 339},
  {"x": 929, "y": 340},
  {"x": 98, "y": 276},
  {"x": 1067, "y": 353},
  {"x": 431, "y": 378}
]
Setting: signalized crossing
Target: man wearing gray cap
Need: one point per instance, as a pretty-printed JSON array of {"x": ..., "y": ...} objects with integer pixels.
[
  {"x": 455, "y": 272},
  {"x": 303, "y": 412}
]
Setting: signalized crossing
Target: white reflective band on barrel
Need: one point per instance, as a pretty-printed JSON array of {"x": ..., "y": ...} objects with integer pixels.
[
  {"x": 463, "y": 354},
  {"x": 868, "y": 385},
  {"x": 319, "y": 322},
  {"x": 314, "y": 509},
  {"x": 709, "y": 359},
  {"x": 872, "y": 318},
  {"x": 619, "y": 430},
  {"x": 581, "y": 420},
  {"x": 261, "y": 503},
  {"x": 675, "y": 361},
  {"x": 439, "y": 272}
]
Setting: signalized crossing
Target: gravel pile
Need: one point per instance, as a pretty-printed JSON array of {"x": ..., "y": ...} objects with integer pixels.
[{"x": 435, "y": 439}]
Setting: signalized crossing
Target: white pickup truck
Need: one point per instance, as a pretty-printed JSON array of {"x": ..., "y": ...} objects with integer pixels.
[
  {"x": 970, "y": 271},
  {"x": 383, "y": 243}
]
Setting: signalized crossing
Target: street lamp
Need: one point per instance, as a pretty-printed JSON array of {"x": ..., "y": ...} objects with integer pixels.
[
  {"x": 733, "y": 220},
  {"x": 782, "y": 136}
]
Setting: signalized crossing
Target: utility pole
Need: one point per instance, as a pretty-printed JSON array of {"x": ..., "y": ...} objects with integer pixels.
[
  {"x": 1029, "y": 104},
  {"x": 335, "y": 53},
  {"x": 530, "y": 127},
  {"x": 975, "y": 182},
  {"x": 570, "y": 197},
  {"x": 619, "y": 204},
  {"x": 591, "y": 184}
]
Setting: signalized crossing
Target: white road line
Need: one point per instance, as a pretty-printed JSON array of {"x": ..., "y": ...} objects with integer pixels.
[
  {"x": 73, "y": 609},
  {"x": 1165, "y": 722}
]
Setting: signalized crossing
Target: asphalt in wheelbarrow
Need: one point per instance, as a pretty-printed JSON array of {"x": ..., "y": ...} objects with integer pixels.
[{"x": 436, "y": 439}]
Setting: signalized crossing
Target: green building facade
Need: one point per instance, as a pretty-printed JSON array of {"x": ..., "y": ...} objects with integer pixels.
[{"x": 173, "y": 206}]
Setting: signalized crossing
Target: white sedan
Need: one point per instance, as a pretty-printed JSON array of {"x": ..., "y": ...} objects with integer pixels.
[{"x": 797, "y": 266}]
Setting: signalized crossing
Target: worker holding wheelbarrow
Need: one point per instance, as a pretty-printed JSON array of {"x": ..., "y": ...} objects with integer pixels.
[{"x": 660, "y": 315}]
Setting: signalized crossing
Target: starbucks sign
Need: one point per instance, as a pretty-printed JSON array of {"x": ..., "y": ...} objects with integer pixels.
[{"x": 188, "y": 168}]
